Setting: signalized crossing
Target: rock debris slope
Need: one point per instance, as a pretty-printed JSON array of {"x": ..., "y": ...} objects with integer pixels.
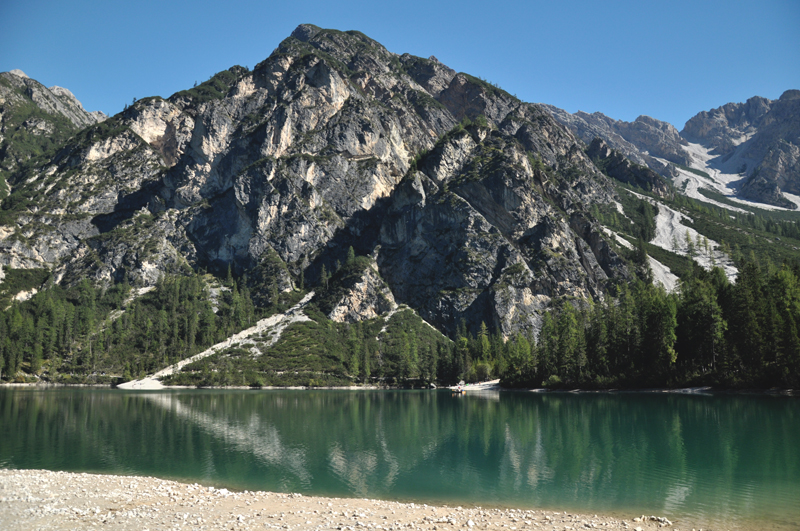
[{"x": 472, "y": 204}]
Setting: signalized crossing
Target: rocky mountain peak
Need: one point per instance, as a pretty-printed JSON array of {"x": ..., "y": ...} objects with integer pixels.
[
  {"x": 304, "y": 32},
  {"x": 16, "y": 88},
  {"x": 790, "y": 95},
  {"x": 63, "y": 93},
  {"x": 471, "y": 203},
  {"x": 657, "y": 124},
  {"x": 353, "y": 49},
  {"x": 757, "y": 139},
  {"x": 34, "y": 119},
  {"x": 643, "y": 141},
  {"x": 723, "y": 128}
]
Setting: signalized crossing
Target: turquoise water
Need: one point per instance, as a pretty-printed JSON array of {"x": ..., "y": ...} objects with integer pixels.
[{"x": 720, "y": 458}]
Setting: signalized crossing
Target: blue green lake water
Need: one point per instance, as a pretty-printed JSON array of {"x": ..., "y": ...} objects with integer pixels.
[{"x": 710, "y": 458}]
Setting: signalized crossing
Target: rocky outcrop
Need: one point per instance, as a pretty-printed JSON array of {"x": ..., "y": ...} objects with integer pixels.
[
  {"x": 364, "y": 296},
  {"x": 616, "y": 166},
  {"x": 481, "y": 233},
  {"x": 462, "y": 193},
  {"x": 724, "y": 128},
  {"x": 657, "y": 138}
]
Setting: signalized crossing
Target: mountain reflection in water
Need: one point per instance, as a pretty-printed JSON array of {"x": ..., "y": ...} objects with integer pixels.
[{"x": 719, "y": 457}]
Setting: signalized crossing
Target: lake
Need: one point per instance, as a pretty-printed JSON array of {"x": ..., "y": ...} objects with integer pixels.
[{"x": 715, "y": 459}]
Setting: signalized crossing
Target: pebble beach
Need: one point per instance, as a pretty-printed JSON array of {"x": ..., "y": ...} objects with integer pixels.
[{"x": 45, "y": 500}]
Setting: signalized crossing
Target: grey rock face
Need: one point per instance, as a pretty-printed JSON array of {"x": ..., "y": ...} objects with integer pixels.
[
  {"x": 658, "y": 138},
  {"x": 331, "y": 142},
  {"x": 365, "y": 298},
  {"x": 432, "y": 75},
  {"x": 479, "y": 232},
  {"x": 724, "y": 128}
]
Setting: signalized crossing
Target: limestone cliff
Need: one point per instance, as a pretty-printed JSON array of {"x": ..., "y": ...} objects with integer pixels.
[{"x": 482, "y": 230}]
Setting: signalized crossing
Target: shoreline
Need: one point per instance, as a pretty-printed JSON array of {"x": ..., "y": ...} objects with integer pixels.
[
  {"x": 42, "y": 499},
  {"x": 705, "y": 390}
]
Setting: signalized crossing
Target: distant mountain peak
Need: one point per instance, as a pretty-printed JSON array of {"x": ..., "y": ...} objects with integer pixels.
[
  {"x": 758, "y": 140},
  {"x": 305, "y": 32},
  {"x": 35, "y": 118},
  {"x": 790, "y": 95}
]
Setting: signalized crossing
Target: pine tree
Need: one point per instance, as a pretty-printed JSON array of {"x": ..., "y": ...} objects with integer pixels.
[
  {"x": 366, "y": 365},
  {"x": 689, "y": 245},
  {"x": 323, "y": 276},
  {"x": 659, "y": 331},
  {"x": 354, "y": 347},
  {"x": 746, "y": 337},
  {"x": 36, "y": 353},
  {"x": 571, "y": 349},
  {"x": 483, "y": 342},
  {"x": 547, "y": 347},
  {"x": 702, "y": 326}
]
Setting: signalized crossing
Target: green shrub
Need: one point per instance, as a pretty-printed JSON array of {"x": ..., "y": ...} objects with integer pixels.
[{"x": 553, "y": 382}]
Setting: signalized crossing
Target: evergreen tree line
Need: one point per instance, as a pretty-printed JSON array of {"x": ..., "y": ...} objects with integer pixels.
[
  {"x": 85, "y": 333},
  {"x": 710, "y": 332},
  {"x": 770, "y": 223}
]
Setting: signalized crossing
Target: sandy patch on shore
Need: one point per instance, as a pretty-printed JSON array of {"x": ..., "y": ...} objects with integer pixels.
[{"x": 45, "y": 500}]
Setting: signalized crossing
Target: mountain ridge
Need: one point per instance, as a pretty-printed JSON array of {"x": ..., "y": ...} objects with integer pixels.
[{"x": 758, "y": 140}]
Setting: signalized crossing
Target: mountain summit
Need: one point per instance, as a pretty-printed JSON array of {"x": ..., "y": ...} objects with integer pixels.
[{"x": 471, "y": 204}]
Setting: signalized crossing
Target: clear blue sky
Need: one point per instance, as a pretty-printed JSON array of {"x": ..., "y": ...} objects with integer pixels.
[{"x": 666, "y": 59}]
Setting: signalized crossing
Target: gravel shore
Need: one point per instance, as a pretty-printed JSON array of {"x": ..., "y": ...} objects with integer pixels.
[{"x": 45, "y": 500}]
